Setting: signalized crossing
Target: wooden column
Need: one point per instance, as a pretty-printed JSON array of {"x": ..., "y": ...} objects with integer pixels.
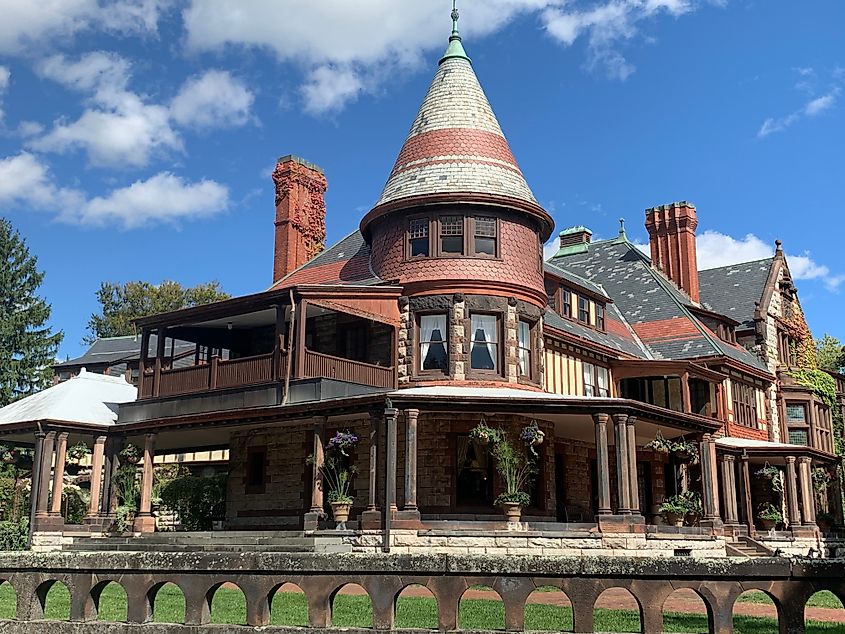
[
  {"x": 746, "y": 493},
  {"x": 43, "y": 488},
  {"x": 58, "y": 478},
  {"x": 37, "y": 459},
  {"x": 602, "y": 464},
  {"x": 161, "y": 334},
  {"x": 142, "y": 361},
  {"x": 96, "y": 476},
  {"x": 411, "y": 416},
  {"x": 375, "y": 425},
  {"x": 390, "y": 479},
  {"x": 709, "y": 480},
  {"x": 808, "y": 498},
  {"x": 145, "y": 522},
  {"x": 633, "y": 478},
  {"x": 791, "y": 492},
  {"x": 731, "y": 511},
  {"x": 623, "y": 488},
  {"x": 299, "y": 351},
  {"x": 686, "y": 398}
]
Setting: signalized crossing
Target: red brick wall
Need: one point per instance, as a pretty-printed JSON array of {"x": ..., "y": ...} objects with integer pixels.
[
  {"x": 519, "y": 264},
  {"x": 741, "y": 431}
]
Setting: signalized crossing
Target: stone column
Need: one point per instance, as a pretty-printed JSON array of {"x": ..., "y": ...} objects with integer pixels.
[
  {"x": 371, "y": 518},
  {"x": 808, "y": 497},
  {"x": 390, "y": 480},
  {"x": 709, "y": 480},
  {"x": 729, "y": 490},
  {"x": 791, "y": 493},
  {"x": 43, "y": 488},
  {"x": 633, "y": 479},
  {"x": 312, "y": 517},
  {"x": 96, "y": 478},
  {"x": 411, "y": 416},
  {"x": 623, "y": 488},
  {"x": 602, "y": 464},
  {"x": 145, "y": 522},
  {"x": 58, "y": 478}
]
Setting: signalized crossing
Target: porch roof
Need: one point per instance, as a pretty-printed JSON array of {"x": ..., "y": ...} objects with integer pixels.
[{"x": 763, "y": 447}]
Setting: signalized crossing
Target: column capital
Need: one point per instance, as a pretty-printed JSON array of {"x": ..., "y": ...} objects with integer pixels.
[
  {"x": 412, "y": 413},
  {"x": 601, "y": 419},
  {"x": 151, "y": 434},
  {"x": 632, "y": 420},
  {"x": 63, "y": 435},
  {"x": 100, "y": 440},
  {"x": 729, "y": 458},
  {"x": 41, "y": 434},
  {"x": 620, "y": 418},
  {"x": 804, "y": 460},
  {"x": 706, "y": 437},
  {"x": 790, "y": 459}
]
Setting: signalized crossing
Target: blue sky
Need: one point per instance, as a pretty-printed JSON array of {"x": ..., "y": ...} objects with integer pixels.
[{"x": 138, "y": 136}]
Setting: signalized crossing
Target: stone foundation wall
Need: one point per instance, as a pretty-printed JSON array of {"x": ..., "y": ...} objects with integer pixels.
[{"x": 825, "y": 547}]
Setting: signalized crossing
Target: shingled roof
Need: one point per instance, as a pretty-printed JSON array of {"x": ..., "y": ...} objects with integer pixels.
[
  {"x": 115, "y": 350},
  {"x": 347, "y": 263},
  {"x": 733, "y": 290},
  {"x": 654, "y": 307}
]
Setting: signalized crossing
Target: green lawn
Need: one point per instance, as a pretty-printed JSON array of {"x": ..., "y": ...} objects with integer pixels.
[{"x": 229, "y": 606}]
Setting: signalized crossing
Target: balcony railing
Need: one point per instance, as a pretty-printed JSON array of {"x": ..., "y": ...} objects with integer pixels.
[{"x": 317, "y": 365}]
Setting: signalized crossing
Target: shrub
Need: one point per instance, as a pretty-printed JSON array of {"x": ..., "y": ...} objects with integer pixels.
[
  {"x": 197, "y": 501},
  {"x": 75, "y": 504},
  {"x": 14, "y": 535}
]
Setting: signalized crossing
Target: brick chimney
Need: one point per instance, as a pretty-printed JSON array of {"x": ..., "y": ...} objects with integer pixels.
[
  {"x": 300, "y": 214},
  {"x": 671, "y": 231}
]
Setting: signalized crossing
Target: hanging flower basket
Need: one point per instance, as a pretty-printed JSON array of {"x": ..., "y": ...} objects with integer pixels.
[
  {"x": 532, "y": 435},
  {"x": 768, "y": 472},
  {"x": 131, "y": 454},
  {"x": 77, "y": 453},
  {"x": 10, "y": 457},
  {"x": 342, "y": 442},
  {"x": 685, "y": 451},
  {"x": 483, "y": 435},
  {"x": 660, "y": 444}
]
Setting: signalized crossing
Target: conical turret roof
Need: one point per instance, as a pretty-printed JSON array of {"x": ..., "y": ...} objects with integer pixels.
[{"x": 456, "y": 143}]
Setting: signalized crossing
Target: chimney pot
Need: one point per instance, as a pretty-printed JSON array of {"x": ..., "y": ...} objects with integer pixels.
[
  {"x": 300, "y": 214},
  {"x": 671, "y": 230}
]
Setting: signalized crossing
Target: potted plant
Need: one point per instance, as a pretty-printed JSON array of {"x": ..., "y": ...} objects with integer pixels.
[
  {"x": 78, "y": 452},
  {"x": 484, "y": 435},
  {"x": 532, "y": 436},
  {"x": 128, "y": 496},
  {"x": 131, "y": 454},
  {"x": 674, "y": 510},
  {"x": 769, "y": 515},
  {"x": 515, "y": 466},
  {"x": 337, "y": 475},
  {"x": 660, "y": 444},
  {"x": 768, "y": 472},
  {"x": 693, "y": 501}
]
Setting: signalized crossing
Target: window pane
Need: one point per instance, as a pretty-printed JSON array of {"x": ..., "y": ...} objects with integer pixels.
[
  {"x": 567, "y": 303},
  {"x": 452, "y": 226},
  {"x": 795, "y": 414},
  {"x": 524, "y": 348},
  {"x": 600, "y": 316},
  {"x": 485, "y": 227},
  {"x": 589, "y": 370},
  {"x": 484, "y": 354},
  {"x": 485, "y": 246},
  {"x": 453, "y": 245},
  {"x": 798, "y": 436},
  {"x": 601, "y": 375},
  {"x": 433, "y": 344},
  {"x": 583, "y": 310}
]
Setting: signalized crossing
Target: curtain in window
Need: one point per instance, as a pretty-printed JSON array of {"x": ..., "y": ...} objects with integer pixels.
[
  {"x": 429, "y": 326},
  {"x": 484, "y": 339},
  {"x": 602, "y": 381},
  {"x": 589, "y": 382},
  {"x": 524, "y": 348}
]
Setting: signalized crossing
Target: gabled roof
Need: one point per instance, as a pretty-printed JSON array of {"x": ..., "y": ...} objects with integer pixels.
[
  {"x": 575, "y": 280},
  {"x": 87, "y": 398},
  {"x": 347, "y": 263},
  {"x": 115, "y": 350},
  {"x": 653, "y": 306},
  {"x": 733, "y": 290}
]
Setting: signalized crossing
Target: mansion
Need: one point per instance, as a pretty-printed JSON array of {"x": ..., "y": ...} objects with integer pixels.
[{"x": 645, "y": 380}]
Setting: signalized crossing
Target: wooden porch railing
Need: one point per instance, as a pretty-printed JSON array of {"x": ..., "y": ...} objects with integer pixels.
[
  {"x": 217, "y": 375},
  {"x": 317, "y": 365}
]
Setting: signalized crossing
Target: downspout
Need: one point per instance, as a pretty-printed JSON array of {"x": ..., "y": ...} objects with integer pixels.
[{"x": 289, "y": 364}]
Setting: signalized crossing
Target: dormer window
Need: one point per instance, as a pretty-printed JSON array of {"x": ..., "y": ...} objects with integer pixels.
[
  {"x": 567, "y": 303},
  {"x": 583, "y": 309},
  {"x": 599, "y": 316}
]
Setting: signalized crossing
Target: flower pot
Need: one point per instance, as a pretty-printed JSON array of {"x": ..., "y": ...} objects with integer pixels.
[
  {"x": 482, "y": 439},
  {"x": 539, "y": 440},
  {"x": 692, "y": 519},
  {"x": 683, "y": 456},
  {"x": 674, "y": 519},
  {"x": 768, "y": 524},
  {"x": 513, "y": 511},
  {"x": 132, "y": 459},
  {"x": 340, "y": 513}
]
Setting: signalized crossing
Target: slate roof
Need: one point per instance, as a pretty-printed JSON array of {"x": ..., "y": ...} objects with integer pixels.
[
  {"x": 87, "y": 398},
  {"x": 733, "y": 290},
  {"x": 613, "y": 338},
  {"x": 347, "y": 263},
  {"x": 576, "y": 280},
  {"x": 116, "y": 350},
  {"x": 653, "y": 306}
]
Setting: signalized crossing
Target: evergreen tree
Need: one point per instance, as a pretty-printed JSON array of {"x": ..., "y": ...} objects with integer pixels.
[
  {"x": 28, "y": 345},
  {"x": 831, "y": 354},
  {"x": 121, "y": 303}
]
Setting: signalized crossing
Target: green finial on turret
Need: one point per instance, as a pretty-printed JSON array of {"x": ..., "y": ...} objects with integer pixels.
[{"x": 456, "y": 48}]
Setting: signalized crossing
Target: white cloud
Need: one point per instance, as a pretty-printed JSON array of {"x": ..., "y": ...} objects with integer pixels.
[
  {"x": 717, "y": 249},
  {"x": 819, "y": 105},
  {"x": 25, "y": 180},
  {"x": 812, "y": 108},
  {"x": 347, "y": 48},
  {"x": 123, "y": 129},
  {"x": 213, "y": 99},
  {"x": 5, "y": 76},
  {"x": 28, "y": 25},
  {"x": 161, "y": 199}
]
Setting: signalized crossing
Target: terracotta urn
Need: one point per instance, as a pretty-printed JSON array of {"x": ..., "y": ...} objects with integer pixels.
[
  {"x": 768, "y": 524},
  {"x": 340, "y": 513},
  {"x": 513, "y": 511},
  {"x": 674, "y": 519}
]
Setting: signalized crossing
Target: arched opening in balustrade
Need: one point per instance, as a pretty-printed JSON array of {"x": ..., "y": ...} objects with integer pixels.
[
  {"x": 167, "y": 602},
  {"x": 227, "y": 603},
  {"x": 288, "y": 605},
  {"x": 548, "y": 609},
  {"x": 824, "y": 613},
  {"x": 8, "y": 601},
  {"x": 110, "y": 601},
  {"x": 755, "y": 611},
  {"x": 54, "y": 600},
  {"x": 617, "y": 610},
  {"x": 685, "y": 610},
  {"x": 416, "y": 608},
  {"x": 481, "y": 608},
  {"x": 351, "y": 607}
]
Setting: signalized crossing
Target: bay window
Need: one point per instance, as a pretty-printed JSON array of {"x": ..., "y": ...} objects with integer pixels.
[
  {"x": 797, "y": 424},
  {"x": 434, "y": 346},
  {"x": 484, "y": 350}
]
